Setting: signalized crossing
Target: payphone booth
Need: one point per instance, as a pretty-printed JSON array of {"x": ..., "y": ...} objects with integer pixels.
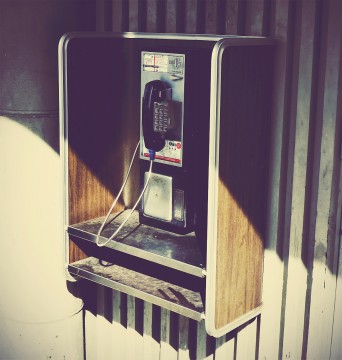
[{"x": 165, "y": 148}]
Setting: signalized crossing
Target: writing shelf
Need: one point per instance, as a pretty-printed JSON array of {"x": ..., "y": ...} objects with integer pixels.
[
  {"x": 144, "y": 262},
  {"x": 179, "y": 252},
  {"x": 179, "y": 299}
]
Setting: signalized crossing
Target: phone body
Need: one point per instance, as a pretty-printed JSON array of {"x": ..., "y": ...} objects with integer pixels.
[{"x": 174, "y": 123}]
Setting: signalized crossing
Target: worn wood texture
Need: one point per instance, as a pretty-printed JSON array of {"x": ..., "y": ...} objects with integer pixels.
[
  {"x": 99, "y": 149},
  {"x": 88, "y": 197},
  {"x": 243, "y": 180}
]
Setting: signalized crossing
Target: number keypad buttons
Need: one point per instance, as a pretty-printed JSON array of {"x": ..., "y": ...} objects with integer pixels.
[{"x": 161, "y": 119}]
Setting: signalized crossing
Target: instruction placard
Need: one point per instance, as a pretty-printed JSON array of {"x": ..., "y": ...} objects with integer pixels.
[
  {"x": 171, "y": 153},
  {"x": 164, "y": 63}
]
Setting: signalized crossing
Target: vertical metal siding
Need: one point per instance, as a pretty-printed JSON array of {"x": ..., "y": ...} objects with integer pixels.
[{"x": 302, "y": 316}]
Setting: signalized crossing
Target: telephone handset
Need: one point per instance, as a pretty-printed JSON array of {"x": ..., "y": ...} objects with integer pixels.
[{"x": 155, "y": 117}]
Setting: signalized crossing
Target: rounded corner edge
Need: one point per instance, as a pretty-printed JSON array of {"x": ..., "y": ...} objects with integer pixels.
[
  {"x": 69, "y": 277},
  {"x": 64, "y": 40},
  {"x": 210, "y": 328},
  {"x": 236, "y": 323}
]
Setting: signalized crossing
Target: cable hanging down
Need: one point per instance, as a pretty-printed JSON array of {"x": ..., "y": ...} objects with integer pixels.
[{"x": 118, "y": 196}]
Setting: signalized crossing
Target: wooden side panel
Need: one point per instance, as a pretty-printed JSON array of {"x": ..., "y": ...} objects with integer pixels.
[
  {"x": 239, "y": 247},
  {"x": 102, "y": 132},
  {"x": 88, "y": 197},
  {"x": 243, "y": 180}
]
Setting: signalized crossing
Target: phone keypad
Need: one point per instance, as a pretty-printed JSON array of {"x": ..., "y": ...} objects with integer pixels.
[{"x": 161, "y": 118}]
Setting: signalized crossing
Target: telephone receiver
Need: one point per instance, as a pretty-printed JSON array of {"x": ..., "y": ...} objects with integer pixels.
[{"x": 156, "y": 93}]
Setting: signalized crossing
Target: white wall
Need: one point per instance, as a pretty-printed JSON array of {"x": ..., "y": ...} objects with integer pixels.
[{"x": 39, "y": 317}]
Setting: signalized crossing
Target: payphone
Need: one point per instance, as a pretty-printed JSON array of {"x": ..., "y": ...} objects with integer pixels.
[
  {"x": 173, "y": 146},
  {"x": 167, "y": 202},
  {"x": 165, "y": 91}
]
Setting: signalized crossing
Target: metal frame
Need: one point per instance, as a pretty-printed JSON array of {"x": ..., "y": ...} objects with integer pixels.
[
  {"x": 129, "y": 290},
  {"x": 214, "y": 157},
  {"x": 222, "y": 42},
  {"x": 62, "y": 51},
  {"x": 173, "y": 259}
]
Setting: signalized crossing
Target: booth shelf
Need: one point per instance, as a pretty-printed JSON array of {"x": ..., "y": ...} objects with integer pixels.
[
  {"x": 172, "y": 297},
  {"x": 179, "y": 252}
]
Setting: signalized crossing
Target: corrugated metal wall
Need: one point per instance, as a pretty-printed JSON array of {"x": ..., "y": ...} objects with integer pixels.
[{"x": 302, "y": 316}]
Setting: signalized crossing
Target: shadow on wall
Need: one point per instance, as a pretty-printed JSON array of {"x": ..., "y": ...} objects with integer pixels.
[
  {"x": 167, "y": 332},
  {"x": 46, "y": 127},
  {"x": 29, "y": 36}
]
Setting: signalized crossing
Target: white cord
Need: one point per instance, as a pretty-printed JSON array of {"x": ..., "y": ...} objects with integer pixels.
[{"x": 115, "y": 201}]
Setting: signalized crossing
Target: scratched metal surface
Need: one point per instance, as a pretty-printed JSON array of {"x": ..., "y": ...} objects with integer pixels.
[
  {"x": 180, "y": 248},
  {"x": 176, "y": 298}
]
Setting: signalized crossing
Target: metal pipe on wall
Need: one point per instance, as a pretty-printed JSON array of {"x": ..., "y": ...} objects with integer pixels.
[{"x": 40, "y": 318}]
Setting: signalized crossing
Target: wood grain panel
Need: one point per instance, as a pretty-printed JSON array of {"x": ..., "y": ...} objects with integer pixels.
[
  {"x": 243, "y": 180},
  {"x": 102, "y": 131},
  {"x": 88, "y": 197},
  {"x": 240, "y": 261}
]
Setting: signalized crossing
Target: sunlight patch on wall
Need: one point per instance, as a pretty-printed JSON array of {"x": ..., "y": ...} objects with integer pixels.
[{"x": 31, "y": 222}]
